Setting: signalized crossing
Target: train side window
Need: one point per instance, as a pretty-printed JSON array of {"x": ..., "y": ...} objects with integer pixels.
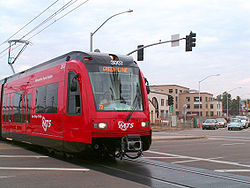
[
  {"x": 46, "y": 98},
  {"x": 24, "y": 109},
  {"x": 52, "y": 95},
  {"x": 7, "y": 108},
  {"x": 73, "y": 97},
  {"x": 17, "y": 107},
  {"x": 4, "y": 108},
  {"x": 28, "y": 107},
  {"x": 40, "y": 99},
  {"x": 11, "y": 108}
]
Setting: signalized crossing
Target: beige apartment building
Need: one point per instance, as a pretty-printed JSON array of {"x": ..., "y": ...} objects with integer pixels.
[
  {"x": 185, "y": 101},
  {"x": 173, "y": 90},
  {"x": 158, "y": 105}
]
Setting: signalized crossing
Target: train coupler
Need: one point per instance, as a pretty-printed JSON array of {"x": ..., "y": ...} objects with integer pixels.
[{"x": 130, "y": 143}]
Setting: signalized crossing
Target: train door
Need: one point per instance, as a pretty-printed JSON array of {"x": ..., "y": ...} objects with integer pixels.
[
  {"x": 8, "y": 114},
  {"x": 73, "y": 118},
  {"x": 26, "y": 115},
  {"x": 5, "y": 124}
]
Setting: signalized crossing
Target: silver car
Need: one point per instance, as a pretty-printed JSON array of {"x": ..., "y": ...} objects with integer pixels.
[
  {"x": 235, "y": 123},
  {"x": 244, "y": 121},
  {"x": 222, "y": 122},
  {"x": 210, "y": 124}
]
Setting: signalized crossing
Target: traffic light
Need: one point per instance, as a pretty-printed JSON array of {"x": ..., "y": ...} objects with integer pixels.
[
  {"x": 140, "y": 53},
  {"x": 190, "y": 41},
  {"x": 170, "y": 100}
]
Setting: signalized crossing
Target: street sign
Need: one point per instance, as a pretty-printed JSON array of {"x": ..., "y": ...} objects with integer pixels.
[
  {"x": 175, "y": 37},
  {"x": 171, "y": 109}
]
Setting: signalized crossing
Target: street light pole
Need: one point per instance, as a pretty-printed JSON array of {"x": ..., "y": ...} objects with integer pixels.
[
  {"x": 227, "y": 98},
  {"x": 200, "y": 92},
  {"x": 92, "y": 33}
]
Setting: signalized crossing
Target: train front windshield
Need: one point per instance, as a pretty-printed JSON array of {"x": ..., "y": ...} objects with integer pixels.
[{"x": 116, "y": 88}]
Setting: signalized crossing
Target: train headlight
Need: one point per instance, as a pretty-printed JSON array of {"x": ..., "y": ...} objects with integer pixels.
[
  {"x": 144, "y": 124},
  {"x": 100, "y": 125}
]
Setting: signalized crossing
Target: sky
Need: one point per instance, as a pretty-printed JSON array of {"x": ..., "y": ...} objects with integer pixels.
[{"x": 222, "y": 43}]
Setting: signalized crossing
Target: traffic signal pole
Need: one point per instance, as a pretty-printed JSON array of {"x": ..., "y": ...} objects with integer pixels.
[
  {"x": 190, "y": 43},
  {"x": 154, "y": 44}
]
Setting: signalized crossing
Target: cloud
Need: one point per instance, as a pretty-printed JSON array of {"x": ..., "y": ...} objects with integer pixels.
[{"x": 244, "y": 81}]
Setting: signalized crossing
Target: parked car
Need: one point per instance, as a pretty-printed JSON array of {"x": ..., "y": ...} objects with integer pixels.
[
  {"x": 210, "y": 124},
  {"x": 244, "y": 120},
  {"x": 235, "y": 123},
  {"x": 222, "y": 122}
]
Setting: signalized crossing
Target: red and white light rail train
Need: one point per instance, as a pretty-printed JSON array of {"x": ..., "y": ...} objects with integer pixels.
[{"x": 78, "y": 102}]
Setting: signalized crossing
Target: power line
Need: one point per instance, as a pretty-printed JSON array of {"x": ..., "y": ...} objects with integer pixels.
[
  {"x": 64, "y": 7},
  {"x": 59, "y": 19},
  {"x": 61, "y": 9},
  {"x": 30, "y": 22}
]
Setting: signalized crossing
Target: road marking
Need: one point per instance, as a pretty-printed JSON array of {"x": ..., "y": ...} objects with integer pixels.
[
  {"x": 232, "y": 144},
  {"x": 189, "y": 161},
  {"x": 161, "y": 157},
  {"x": 200, "y": 159},
  {"x": 46, "y": 169},
  {"x": 23, "y": 156},
  {"x": 3, "y": 177},
  {"x": 233, "y": 170},
  {"x": 229, "y": 139}
]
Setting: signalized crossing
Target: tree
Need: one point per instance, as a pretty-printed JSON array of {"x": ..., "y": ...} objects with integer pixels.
[
  {"x": 233, "y": 104},
  {"x": 223, "y": 99}
]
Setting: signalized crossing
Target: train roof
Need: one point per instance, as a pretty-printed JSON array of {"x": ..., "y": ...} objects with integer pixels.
[{"x": 92, "y": 57}]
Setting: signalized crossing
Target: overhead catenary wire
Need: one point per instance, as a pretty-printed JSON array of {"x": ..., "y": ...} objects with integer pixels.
[
  {"x": 64, "y": 7},
  {"x": 29, "y": 22},
  {"x": 59, "y": 19},
  {"x": 49, "y": 18}
]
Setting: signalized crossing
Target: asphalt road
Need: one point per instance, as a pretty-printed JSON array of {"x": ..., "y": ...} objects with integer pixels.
[{"x": 218, "y": 150}]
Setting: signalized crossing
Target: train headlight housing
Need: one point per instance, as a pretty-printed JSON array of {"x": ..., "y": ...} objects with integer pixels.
[
  {"x": 100, "y": 125},
  {"x": 144, "y": 124}
]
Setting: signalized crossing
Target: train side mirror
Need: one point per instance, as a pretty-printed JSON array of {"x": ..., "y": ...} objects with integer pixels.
[
  {"x": 147, "y": 85},
  {"x": 73, "y": 85}
]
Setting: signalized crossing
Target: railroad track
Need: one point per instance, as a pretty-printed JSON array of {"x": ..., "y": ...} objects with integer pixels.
[
  {"x": 155, "y": 173},
  {"x": 161, "y": 174}
]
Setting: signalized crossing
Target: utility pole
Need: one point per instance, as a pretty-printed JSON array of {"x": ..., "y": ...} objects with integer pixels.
[{"x": 12, "y": 60}]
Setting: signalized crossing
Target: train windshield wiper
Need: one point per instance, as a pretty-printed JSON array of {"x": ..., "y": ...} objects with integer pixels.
[{"x": 134, "y": 106}]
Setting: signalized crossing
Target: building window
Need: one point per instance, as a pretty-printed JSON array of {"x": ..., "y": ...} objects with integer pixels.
[
  {"x": 211, "y": 106},
  {"x": 162, "y": 114},
  {"x": 162, "y": 102},
  {"x": 188, "y": 106},
  {"x": 196, "y": 99},
  {"x": 206, "y": 99},
  {"x": 197, "y": 106},
  {"x": 187, "y": 99},
  {"x": 176, "y": 91},
  {"x": 170, "y": 90},
  {"x": 211, "y": 113},
  {"x": 180, "y": 91},
  {"x": 206, "y": 105}
]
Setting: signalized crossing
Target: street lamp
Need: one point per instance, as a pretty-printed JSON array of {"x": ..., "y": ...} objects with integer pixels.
[
  {"x": 92, "y": 34},
  {"x": 200, "y": 91},
  {"x": 227, "y": 98}
]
